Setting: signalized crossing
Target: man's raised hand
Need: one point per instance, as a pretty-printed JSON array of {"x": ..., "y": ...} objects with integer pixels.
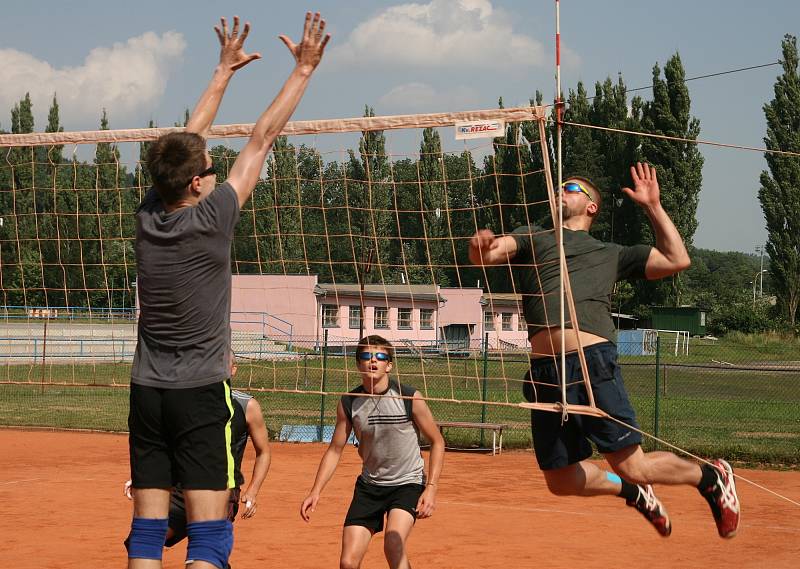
[
  {"x": 232, "y": 54},
  {"x": 645, "y": 190},
  {"x": 308, "y": 52}
]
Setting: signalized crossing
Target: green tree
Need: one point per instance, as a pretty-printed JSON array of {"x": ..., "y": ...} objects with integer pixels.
[
  {"x": 780, "y": 187},
  {"x": 679, "y": 164}
]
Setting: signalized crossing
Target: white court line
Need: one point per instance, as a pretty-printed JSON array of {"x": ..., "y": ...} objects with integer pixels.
[
  {"x": 786, "y": 529},
  {"x": 60, "y": 481},
  {"x": 20, "y": 481}
]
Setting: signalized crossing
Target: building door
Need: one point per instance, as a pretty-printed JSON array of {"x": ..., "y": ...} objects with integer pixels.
[{"x": 456, "y": 337}]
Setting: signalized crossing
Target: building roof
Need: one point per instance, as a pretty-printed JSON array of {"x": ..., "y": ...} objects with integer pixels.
[
  {"x": 501, "y": 299},
  {"x": 428, "y": 293}
]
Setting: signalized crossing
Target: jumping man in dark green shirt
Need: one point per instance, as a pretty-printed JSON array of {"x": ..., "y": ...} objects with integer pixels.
[{"x": 562, "y": 448}]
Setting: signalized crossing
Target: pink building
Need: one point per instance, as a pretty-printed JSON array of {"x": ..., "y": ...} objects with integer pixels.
[{"x": 300, "y": 309}]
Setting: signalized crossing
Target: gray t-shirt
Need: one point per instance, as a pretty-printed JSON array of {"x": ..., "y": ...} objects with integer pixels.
[
  {"x": 594, "y": 266},
  {"x": 388, "y": 440},
  {"x": 183, "y": 262}
]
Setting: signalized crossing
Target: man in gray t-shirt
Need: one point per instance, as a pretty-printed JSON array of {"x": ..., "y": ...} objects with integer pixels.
[
  {"x": 563, "y": 447},
  {"x": 180, "y": 401}
]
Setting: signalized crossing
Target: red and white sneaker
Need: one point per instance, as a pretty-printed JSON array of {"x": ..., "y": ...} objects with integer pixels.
[
  {"x": 724, "y": 501},
  {"x": 652, "y": 509}
]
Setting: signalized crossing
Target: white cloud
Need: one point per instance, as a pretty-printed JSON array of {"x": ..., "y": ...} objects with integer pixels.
[
  {"x": 125, "y": 79},
  {"x": 441, "y": 34},
  {"x": 421, "y": 97}
]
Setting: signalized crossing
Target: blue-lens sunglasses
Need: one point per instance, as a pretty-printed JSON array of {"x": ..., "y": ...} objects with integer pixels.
[
  {"x": 380, "y": 356},
  {"x": 577, "y": 187}
]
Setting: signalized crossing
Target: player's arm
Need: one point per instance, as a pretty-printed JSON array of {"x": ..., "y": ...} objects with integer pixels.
[
  {"x": 329, "y": 462},
  {"x": 307, "y": 54},
  {"x": 257, "y": 431},
  {"x": 423, "y": 419},
  {"x": 485, "y": 248},
  {"x": 669, "y": 256},
  {"x": 231, "y": 58}
]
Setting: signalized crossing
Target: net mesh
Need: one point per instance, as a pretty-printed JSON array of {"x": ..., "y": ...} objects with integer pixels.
[{"x": 357, "y": 226}]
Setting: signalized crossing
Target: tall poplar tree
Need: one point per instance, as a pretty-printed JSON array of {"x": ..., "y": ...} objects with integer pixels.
[{"x": 780, "y": 187}]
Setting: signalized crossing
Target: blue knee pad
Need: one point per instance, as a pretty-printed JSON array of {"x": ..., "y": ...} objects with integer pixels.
[
  {"x": 210, "y": 541},
  {"x": 146, "y": 540}
]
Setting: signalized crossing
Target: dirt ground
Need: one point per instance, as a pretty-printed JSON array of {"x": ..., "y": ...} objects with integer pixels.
[{"x": 61, "y": 505}]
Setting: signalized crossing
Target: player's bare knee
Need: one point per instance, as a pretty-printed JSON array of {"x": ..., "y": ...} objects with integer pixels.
[{"x": 349, "y": 562}]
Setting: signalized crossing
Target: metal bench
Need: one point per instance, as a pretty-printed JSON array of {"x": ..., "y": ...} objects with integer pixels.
[{"x": 496, "y": 428}]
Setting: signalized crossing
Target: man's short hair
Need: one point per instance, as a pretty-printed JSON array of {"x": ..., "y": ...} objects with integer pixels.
[
  {"x": 374, "y": 341},
  {"x": 596, "y": 195},
  {"x": 173, "y": 160}
]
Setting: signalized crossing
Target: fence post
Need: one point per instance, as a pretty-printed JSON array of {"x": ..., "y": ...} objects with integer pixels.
[
  {"x": 657, "y": 409},
  {"x": 485, "y": 385},
  {"x": 324, "y": 387}
]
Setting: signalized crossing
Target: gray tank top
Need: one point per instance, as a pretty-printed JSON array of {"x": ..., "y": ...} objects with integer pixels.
[{"x": 388, "y": 439}]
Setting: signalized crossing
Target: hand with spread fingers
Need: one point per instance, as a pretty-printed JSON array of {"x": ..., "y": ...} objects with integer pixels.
[
  {"x": 308, "y": 52},
  {"x": 645, "y": 190},
  {"x": 232, "y": 54}
]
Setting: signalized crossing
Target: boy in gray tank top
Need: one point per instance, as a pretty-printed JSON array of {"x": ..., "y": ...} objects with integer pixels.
[{"x": 387, "y": 418}]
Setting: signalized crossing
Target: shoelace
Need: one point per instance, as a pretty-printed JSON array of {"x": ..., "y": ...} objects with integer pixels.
[
  {"x": 727, "y": 491},
  {"x": 651, "y": 503}
]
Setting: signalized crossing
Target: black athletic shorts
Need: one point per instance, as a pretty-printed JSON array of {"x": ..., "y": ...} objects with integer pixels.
[
  {"x": 177, "y": 514},
  {"x": 558, "y": 445},
  {"x": 371, "y": 503},
  {"x": 181, "y": 437}
]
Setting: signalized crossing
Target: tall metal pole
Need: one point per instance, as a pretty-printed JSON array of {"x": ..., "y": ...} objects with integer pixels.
[
  {"x": 484, "y": 393},
  {"x": 559, "y": 109},
  {"x": 321, "y": 429}
]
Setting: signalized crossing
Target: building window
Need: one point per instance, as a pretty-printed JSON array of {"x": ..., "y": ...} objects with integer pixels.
[
  {"x": 522, "y": 326},
  {"x": 488, "y": 321},
  {"x": 404, "y": 318},
  {"x": 381, "y": 318},
  {"x": 506, "y": 320},
  {"x": 355, "y": 317},
  {"x": 330, "y": 316},
  {"x": 426, "y": 318}
]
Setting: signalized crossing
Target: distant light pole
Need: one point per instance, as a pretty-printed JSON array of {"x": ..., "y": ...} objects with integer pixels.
[
  {"x": 758, "y": 274},
  {"x": 760, "y": 250}
]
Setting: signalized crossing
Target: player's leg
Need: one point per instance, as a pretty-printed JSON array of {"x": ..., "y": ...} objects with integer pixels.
[
  {"x": 177, "y": 519},
  {"x": 203, "y": 463},
  {"x": 399, "y": 524},
  {"x": 355, "y": 541},
  {"x": 402, "y": 514},
  {"x": 364, "y": 518},
  {"x": 150, "y": 477},
  {"x": 659, "y": 467}
]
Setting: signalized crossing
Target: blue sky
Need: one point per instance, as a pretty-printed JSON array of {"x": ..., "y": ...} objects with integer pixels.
[{"x": 148, "y": 59}]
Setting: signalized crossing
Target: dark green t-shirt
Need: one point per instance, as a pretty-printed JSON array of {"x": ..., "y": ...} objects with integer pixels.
[{"x": 594, "y": 267}]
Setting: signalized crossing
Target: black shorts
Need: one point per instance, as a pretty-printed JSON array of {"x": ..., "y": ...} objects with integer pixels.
[
  {"x": 177, "y": 514},
  {"x": 181, "y": 436},
  {"x": 558, "y": 445},
  {"x": 371, "y": 503}
]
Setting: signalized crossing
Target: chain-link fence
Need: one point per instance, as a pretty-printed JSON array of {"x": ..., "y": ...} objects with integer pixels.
[{"x": 736, "y": 400}]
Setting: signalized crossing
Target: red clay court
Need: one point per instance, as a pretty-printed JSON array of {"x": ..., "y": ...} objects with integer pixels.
[{"x": 61, "y": 506}]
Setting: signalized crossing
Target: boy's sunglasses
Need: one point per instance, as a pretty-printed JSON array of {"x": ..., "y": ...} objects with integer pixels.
[
  {"x": 380, "y": 356},
  {"x": 577, "y": 187}
]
